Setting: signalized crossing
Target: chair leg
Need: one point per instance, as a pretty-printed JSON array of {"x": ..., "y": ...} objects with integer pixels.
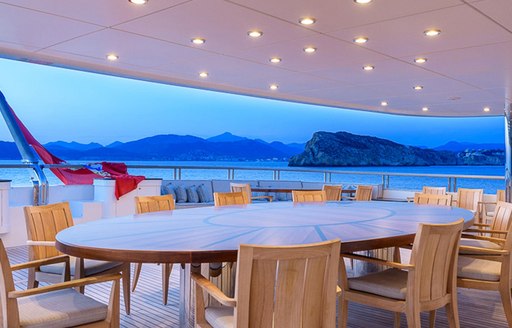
[
  {"x": 452, "y": 313},
  {"x": 136, "y": 274},
  {"x": 397, "y": 320},
  {"x": 342, "y": 313},
  {"x": 432, "y": 318},
  {"x": 507, "y": 303},
  {"x": 32, "y": 282},
  {"x": 166, "y": 273},
  {"x": 125, "y": 276},
  {"x": 413, "y": 318}
]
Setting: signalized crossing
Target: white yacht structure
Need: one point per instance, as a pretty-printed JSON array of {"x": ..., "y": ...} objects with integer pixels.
[{"x": 435, "y": 58}]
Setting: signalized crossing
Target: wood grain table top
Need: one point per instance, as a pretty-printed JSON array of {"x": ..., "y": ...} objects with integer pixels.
[{"x": 213, "y": 234}]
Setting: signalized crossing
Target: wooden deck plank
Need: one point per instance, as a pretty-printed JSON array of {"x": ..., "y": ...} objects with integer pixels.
[{"x": 477, "y": 308}]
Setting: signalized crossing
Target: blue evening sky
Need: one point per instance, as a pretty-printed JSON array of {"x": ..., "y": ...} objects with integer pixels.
[{"x": 61, "y": 104}]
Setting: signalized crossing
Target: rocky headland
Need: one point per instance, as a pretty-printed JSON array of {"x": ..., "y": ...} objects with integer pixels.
[{"x": 346, "y": 149}]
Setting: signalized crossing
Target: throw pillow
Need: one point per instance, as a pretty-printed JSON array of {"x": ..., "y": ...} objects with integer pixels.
[
  {"x": 192, "y": 196},
  {"x": 202, "y": 194},
  {"x": 181, "y": 194}
]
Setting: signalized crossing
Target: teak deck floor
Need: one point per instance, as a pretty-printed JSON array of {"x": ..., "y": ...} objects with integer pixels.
[{"x": 476, "y": 308}]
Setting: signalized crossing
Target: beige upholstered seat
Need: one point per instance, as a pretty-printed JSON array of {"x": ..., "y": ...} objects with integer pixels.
[
  {"x": 230, "y": 198},
  {"x": 308, "y": 196},
  {"x": 434, "y": 190},
  {"x": 57, "y": 305},
  {"x": 245, "y": 187},
  {"x": 332, "y": 192},
  {"x": 43, "y": 224},
  {"x": 432, "y": 199},
  {"x": 489, "y": 268},
  {"x": 285, "y": 287},
  {"x": 423, "y": 285},
  {"x": 146, "y": 204}
]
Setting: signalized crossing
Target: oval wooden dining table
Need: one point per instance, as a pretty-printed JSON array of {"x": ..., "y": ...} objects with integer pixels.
[{"x": 213, "y": 234}]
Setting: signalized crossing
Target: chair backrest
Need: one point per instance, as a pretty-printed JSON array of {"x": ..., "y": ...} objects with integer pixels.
[
  {"x": 432, "y": 199},
  {"x": 364, "y": 193},
  {"x": 287, "y": 286},
  {"x": 230, "y": 198},
  {"x": 469, "y": 198},
  {"x": 43, "y": 224},
  {"x": 8, "y": 307},
  {"x": 332, "y": 192},
  {"x": 502, "y": 219},
  {"x": 500, "y": 195},
  {"x": 145, "y": 204},
  {"x": 434, "y": 190},
  {"x": 307, "y": 196},
  {"x": 435, "y": 254},
  {"x": 242, "y": 187}
]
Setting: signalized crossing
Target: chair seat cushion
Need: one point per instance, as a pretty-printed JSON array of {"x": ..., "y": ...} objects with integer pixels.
[
  {"x": 63, "y": 308},
  {"x": 477, "y": 243},
  {"x": 91, "y": 267},
  {"x": 479, "y": 269},
  {"x": 220, "y": 317},
  {"x": 390, "y": 283}
]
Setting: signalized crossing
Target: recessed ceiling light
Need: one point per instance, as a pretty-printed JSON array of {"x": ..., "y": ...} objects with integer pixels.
[
  {"x": 307, "y": 21},
  {"x": 360, "y": 39},
  {"x": 275, "y": 60},
  {"x": 198, "y": 40},
  {"x": 203, "y": 74},
  {"x": 418, "y": 87},
  {"x": 138, "y": 2},
  {"x": 384, "y": 103},
  {"x": 368, "y": 67},
  {"x": 487, "y": 109},
  {"x": 432, "y": 32},
  {"x": 112, "y": 57},
  {"x": 309, "y": 50},
  {"x": 362, "y": 2},
  {"x": 420, "y": 60},
  {"x": 425, "y": 109},
  {"x": 273, "y": 87},
  {"x": 255, "y": 34}
]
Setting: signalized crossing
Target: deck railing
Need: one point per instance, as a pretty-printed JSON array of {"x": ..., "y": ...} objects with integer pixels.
[{"x": 389, "y": 180}]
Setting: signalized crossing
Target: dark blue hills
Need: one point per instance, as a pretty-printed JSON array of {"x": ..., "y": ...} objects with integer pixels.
[{"x": 226, "y": 146}]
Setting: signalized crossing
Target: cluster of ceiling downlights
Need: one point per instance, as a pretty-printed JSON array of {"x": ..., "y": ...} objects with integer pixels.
[{"x": 306, "y": 21}]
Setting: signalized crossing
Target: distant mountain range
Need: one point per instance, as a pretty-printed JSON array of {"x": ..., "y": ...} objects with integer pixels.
[
  {"x": 226, "y": 147},
  {"x": 323, "y": 149},
  {"x": 462, "y": 146}
]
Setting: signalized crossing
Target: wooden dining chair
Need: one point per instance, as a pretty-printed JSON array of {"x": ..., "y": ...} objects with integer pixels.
[
  {"x": 276, "y": 286},
  {"x": 363, "y": 193},
  {"x": 43, "y": 223},
  {"x": 469, "y": 199},
  {"x": 434, "y": 190},
  {"x": 332, "y": 192},
  {"x": 230, "y": 198},
  {"x": 309, "y": 196},
  {"x": 432, "y": 199},
  {"x": 246, "y": 187},
  {"x": 488, "y": 207},
  {"x": 484, "y": 261},
  {"x": 57, "y": 305},
  {"x": 428, "y": 282},
  {"x": 147, "y": 204}
]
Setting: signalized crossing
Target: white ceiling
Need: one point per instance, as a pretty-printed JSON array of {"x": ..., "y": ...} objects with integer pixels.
[{"x": 469, "y": 65}]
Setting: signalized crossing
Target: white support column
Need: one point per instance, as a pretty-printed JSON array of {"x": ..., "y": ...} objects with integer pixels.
[
  {"x": 508, "y": 152},
  {"x": 5, "y": 187}
]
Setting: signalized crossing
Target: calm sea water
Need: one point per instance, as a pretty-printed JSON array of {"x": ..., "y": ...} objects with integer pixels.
[{"x": 22, "y": 177}]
